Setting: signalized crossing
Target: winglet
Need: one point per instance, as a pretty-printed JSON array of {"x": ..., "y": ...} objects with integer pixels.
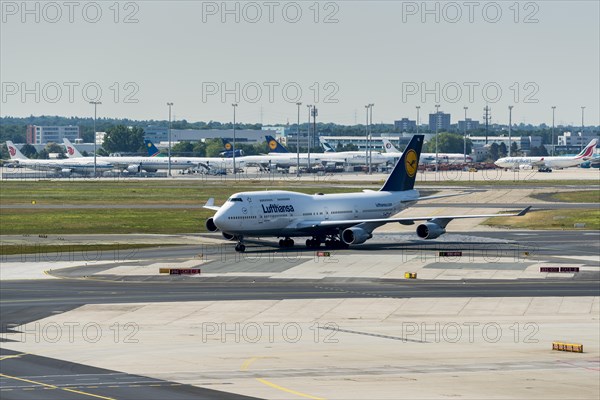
[
  {"x": 524, "y": 211},
  {"x": 210, "y": 204}
]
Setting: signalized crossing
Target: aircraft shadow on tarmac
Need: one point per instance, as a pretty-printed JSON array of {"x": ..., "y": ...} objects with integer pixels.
[{"x": 260, "y": 246}]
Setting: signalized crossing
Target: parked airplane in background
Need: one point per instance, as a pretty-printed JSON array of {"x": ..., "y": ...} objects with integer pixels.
[
  {"x": 338, "y": 220},
  {"x": 82, "y": 165},
  {"x": 229, "y": 150},
  {"x": 354, "y": 157},
  {"x": 344, "y": 157},
  {"x": 549, "y": 162},
  {"x": 130, "y": 164},
  {"x": 427, "y": 158}
]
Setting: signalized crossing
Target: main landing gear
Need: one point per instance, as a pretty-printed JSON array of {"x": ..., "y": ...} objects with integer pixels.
[
  {"x": 287, "y": 242},
  {"x": 331, "y": 242}
]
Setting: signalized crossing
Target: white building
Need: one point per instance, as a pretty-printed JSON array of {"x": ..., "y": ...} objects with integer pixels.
[
  {"x": 575, "y": 139},
  {"x": 46, "y": 134}
]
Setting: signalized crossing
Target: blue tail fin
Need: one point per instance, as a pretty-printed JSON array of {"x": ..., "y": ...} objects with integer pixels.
[
  {"x": 275, "y": 146},
  {"x": 404, "y": 173},
  {"x": 228, "y": 152},
  {"x": 152, "y": 150}
]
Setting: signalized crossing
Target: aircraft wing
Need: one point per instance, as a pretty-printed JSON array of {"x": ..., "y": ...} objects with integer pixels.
[
  {"x": 376, "y": 222},
  {"x": 439, "y": 196},
  {"x": 210, "y": 204}
]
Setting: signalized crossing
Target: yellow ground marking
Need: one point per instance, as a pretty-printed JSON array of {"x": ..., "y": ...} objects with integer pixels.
[
  {"x": 2, "y": 358},
  {"x": 283, "y": 389},
  {"x": 56, "y": 387},
  {"x": 246, "y": 365}
]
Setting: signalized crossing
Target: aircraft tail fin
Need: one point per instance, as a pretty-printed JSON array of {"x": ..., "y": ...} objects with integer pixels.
[
  {"x": 228, "y": 150},
  {"x": 14, "y": 152},
  {"x": 588, "y": 151},
  {"x": 404, "y": 173},
  {"x": 72, "y": 152},
  {"x": 275, "y": 146},
  {"x": 328, "y": 148},
  {"x": 153, "y": 151},
  {"x": 389, "y": 147}
]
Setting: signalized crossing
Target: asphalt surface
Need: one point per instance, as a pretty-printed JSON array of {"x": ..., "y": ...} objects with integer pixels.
[
  {"x": 57, "y": 379},
  {"x": 29, "y": 376}
]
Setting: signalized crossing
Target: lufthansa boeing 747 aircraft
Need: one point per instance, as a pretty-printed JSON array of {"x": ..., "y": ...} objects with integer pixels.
[{"x": 338, "y": 220}]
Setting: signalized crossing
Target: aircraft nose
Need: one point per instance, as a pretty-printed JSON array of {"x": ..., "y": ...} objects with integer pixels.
[{"x": 219, "y": 219}]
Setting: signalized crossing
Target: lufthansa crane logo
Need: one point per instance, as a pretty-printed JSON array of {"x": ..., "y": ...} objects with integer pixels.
[
  {"x": 411, "y": 163},
  {"x": 272, "y": 145},
  {"x": 228, "y": 146}
]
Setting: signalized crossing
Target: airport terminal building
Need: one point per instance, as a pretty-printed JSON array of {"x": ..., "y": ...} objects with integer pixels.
[{"x": 161, "y": 135}]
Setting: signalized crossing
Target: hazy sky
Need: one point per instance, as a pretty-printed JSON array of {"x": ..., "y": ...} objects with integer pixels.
[{"x": 340, "y": 55}]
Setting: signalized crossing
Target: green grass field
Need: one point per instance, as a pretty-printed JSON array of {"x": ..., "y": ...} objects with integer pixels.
[
  {"x": 113, "y": 221},
  {"x": 550, "y": 219},
  {"x": 147, "y": 192},
  {"x": 17, "y": 221},
  {"x": 8, "y": 249}
]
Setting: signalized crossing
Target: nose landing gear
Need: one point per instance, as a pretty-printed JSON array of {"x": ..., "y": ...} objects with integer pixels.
[{"x": 240, "y": 247}]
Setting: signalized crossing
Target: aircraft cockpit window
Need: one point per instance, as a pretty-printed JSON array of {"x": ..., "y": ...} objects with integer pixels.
[{"x": 235, "y": 199}]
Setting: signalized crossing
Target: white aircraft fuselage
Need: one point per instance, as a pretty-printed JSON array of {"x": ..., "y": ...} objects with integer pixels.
[{"x": 284, "y": 213}]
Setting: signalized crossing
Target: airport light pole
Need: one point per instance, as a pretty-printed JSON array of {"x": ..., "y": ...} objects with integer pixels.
[
  {"x": 298, "y": 142},
  {"x": 95, "y": 103},
  {"x": 509, "y": 130},
  {"x": 367, "y": 135},
  {"x": 371, "y": 137},
  {"x": 234, "y": 105},
  {"x": 308, "y": 106},
  {"x": 437, "y": 119},
  {"x": 418, "y": 108},
  {"x": 553, "y": 110},
  {"x": 169, "y": 152},
  {"x": 582, "y": 125},
  {"x": 465, "y": 136}
]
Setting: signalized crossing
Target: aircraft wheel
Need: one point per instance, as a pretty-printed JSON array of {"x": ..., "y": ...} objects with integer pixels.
[{"x": 240, "y": 248}]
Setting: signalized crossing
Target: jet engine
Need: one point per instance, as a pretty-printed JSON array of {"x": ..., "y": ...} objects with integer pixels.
[
  {"x": 355, "y": 235},
  {"x": 66, "y": 171},
  {"x": 228, "y": 236},
  {"x": 210, "y": 225},
  {"x": 133, "y": 169},
  {"x": 430, "y": 230}
]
